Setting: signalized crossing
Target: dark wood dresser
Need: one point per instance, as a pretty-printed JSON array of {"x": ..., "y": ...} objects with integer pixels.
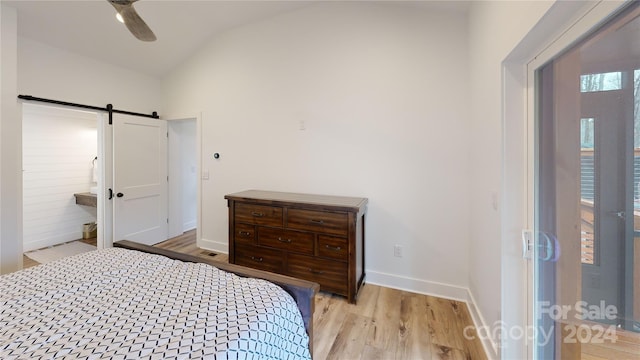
[{"x": 312, "y": 237}]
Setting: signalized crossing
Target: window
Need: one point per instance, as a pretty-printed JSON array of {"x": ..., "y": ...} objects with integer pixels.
[{"x": 601, "y": 82}]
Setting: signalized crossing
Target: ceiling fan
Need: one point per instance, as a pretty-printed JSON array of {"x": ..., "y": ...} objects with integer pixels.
[{"x": 132, "y": 20}]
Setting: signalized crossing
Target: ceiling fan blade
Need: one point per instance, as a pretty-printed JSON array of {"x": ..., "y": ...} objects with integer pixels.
[{"x": 132, "y": 20}]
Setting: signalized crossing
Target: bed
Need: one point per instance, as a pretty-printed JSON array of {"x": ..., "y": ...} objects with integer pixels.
[{"x": 134, "y": 301}]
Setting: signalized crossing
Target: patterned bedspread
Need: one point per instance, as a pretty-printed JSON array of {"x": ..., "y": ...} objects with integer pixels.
[{"x": 123, "y": 304}]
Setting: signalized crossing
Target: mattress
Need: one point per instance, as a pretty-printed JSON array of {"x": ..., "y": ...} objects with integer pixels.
[{"x": 124, "y": 304}]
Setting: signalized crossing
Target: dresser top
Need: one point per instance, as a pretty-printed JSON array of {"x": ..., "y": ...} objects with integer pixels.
[{"x": 310, "y": 199}]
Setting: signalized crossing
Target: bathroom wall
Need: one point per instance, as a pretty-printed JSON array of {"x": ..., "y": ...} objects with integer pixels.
[
  {"x": 59, "y": 145},
  {"x": 189, "y": 177},
  {"x": 183, "y": 180}
]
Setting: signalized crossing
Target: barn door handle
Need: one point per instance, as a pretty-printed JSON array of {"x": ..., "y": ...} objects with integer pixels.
[{"x": 110, "y": 194}]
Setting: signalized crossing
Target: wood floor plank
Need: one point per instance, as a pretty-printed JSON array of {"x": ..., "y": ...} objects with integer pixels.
[
  {"x": 607, "y": 353},
  {"x": 383, "y": 333},
  {"x": 349, "y": 342},
  {"x": 632, "y": 348},
  {"x": 444, "y": 322},
  {"x": 373, "y": 353},
  {"x": 441, "y": 352},
  {"x": 28, "y": 262},
  {"x": 591, "y": 357},
  {"x": 414, "y": 342},
  {"x": 625, "y": 345},
  {"x": 367, "y": 300},
  {"x": 186, "y": 243},
  {"x": 472, "y": 344},
  {"x": 328, "y": 319}
]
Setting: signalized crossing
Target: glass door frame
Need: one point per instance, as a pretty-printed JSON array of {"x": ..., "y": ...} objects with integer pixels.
[{"x": 593, "y": 17}]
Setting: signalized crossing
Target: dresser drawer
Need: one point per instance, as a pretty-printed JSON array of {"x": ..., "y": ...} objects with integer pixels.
[
  {"x": 331, "y": 275},
  {"x": 319, "y": 221},
  {"x": 286, "y": 239},
  {"x": 258, "y": 214},
  {"x": 245, "y": 234},
  {"x": 333, "y": 247},
  {"x": 259, "y": 258}
]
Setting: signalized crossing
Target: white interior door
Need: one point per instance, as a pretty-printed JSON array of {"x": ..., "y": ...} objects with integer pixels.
[{"x": 140, "y": 179}]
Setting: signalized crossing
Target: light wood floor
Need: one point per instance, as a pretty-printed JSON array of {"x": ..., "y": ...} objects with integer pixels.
[
  {"x": 186, "y": 243},
  {"x": 393, "y": 324},
  {"x": 385, "y": 324}
]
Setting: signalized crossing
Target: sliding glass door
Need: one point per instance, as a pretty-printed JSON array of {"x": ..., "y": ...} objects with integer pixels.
[{"x": 587, "y": 195}]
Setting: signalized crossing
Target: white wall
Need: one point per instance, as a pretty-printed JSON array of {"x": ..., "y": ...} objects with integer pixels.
[
  {"x": 10, "y": 160},
  {"x": 58, "y": 145},
  {"x": 48, "y": 72},
  {"x": 1, "y": 98},
  {"x": 495, "y": 28},
  {"x": 381, "y": 90}
]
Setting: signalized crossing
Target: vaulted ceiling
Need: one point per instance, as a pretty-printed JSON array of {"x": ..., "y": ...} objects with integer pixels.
[{"x": 89, "y": 27}]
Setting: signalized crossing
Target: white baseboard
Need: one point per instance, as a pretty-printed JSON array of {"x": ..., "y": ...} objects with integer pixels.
[
  {"x": 419, "y": 286},
  {"x": 215, "y": 246},
  {"x": 490, "y": 347},
  {"x": 51, "y": 241},
  {"x": 189, "y": 225}
]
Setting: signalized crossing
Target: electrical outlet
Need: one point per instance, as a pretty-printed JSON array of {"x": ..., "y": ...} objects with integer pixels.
[{"x": 397, "y": 251}]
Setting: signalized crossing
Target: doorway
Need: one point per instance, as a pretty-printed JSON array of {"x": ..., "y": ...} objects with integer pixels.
[
  {"x": 183, "y": 178},
  {"x": 103, "y": 172},
  {"x": 586, "y": 266},
  {"x": 60, "y": 164}
]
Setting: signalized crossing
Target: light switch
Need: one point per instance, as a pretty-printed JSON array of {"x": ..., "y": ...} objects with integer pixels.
[{"x": 205, "y": 175}]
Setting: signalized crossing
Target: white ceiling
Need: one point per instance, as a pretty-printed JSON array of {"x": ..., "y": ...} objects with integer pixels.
[{"x": 89, "y": 27}]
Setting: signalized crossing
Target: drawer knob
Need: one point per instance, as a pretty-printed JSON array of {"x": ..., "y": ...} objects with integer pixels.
[
  {"x": 334, "y": 248},
  {"x": 317, "y": 222},
  {"x": 288, "y": 241},
  {"x": 244, "y": 233},
  {"x": 257, "y": 214},
  {"x": 258, "y": 259}
]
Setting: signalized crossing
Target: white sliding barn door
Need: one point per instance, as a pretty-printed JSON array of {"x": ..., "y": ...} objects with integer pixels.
[{"x": 140, "y": 179}]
